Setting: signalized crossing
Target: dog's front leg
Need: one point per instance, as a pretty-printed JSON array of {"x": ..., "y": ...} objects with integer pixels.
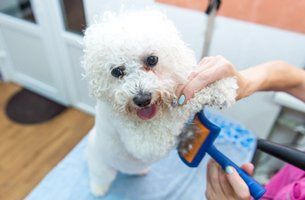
[
  {"x": 101, "y": 176},
  {"x": 220, "y": 94}
]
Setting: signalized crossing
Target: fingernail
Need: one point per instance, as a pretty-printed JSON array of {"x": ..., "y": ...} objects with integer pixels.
[
  {"x": 181, "y": 100},
  {"x": 229, "y": 170}
]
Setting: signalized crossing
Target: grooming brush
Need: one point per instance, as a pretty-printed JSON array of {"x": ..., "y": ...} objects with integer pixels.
[{"x": 198, "y": 140}]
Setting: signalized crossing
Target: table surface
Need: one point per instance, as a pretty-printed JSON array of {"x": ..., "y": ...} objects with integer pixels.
[{"x": 168, "y": 179}]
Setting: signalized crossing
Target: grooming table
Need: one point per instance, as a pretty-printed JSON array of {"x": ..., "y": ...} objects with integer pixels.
[{"x": 169, "y": 179}]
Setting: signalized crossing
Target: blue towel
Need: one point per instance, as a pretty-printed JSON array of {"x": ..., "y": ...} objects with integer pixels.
[{"x": 168, "y": 179}]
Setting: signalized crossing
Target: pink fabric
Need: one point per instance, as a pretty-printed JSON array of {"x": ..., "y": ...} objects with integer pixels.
[{"x": 287, "y": 184}]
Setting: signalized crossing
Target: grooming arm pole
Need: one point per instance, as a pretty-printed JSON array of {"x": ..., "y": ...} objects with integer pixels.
[{"x": 211, "y": 11}]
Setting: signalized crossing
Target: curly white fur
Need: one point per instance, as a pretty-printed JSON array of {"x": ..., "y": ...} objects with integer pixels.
[{"x": 120, "y": 140}]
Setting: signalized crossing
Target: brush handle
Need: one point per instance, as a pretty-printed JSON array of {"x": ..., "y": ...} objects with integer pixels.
[{"x": 256, "y": 189}]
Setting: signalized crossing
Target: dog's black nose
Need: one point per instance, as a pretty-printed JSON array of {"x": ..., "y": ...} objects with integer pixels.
[{"x": 142, "y": 99}]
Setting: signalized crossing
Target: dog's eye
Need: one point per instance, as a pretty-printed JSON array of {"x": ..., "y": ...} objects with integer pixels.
[
  {"x": 151, "y": 61},
  {"x": 118, "y": 72}
]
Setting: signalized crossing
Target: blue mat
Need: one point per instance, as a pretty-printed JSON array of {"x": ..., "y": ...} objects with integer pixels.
[{"x": 169, "y": 179}]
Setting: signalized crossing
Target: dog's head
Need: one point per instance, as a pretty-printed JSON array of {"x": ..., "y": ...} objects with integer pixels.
[{"x": 135, "y": 61}]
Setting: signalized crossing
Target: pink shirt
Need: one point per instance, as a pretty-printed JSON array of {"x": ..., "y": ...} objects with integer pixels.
[{"x": 287, "y": 184}]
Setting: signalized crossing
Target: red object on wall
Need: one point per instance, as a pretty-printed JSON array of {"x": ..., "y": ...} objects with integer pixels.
[{"x": 284, "y": 14}]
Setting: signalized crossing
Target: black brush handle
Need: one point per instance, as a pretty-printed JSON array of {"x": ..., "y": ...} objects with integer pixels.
[{"x": 287, "y": 154}]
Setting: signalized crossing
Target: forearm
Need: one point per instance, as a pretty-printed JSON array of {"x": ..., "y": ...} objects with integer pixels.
[
  {"x": 298, "y": 91},
  {"x": 274, "y": 76}
]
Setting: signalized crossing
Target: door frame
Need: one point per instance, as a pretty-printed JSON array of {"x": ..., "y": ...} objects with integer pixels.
[{"x": 43, "y": 31}]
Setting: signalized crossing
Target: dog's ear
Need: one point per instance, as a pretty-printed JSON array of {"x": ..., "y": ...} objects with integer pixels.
[{"x": 97, "y": 76}]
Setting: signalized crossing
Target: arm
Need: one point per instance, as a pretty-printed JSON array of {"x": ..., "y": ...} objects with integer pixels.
[
  {"x": 274, "y": 76},
  {"x": 271, "y": 76}
]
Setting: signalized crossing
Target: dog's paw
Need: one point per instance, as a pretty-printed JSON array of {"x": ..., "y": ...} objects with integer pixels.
[
  {"x": 98, "y": 190},
  {"x": 220, "y": 94}
]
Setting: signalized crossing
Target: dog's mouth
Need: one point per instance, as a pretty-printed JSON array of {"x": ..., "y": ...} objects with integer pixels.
[{"x": 147, "y": 112}]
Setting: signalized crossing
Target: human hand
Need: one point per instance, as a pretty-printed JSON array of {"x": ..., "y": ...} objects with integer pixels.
[
  {"x": 226, "y": 185},
  {"x": 209, "y": 70}
]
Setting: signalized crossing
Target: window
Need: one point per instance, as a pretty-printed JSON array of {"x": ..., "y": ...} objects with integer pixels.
[
  {"x": 74, "y": 15},
  {"x": 18, "y": 8}
]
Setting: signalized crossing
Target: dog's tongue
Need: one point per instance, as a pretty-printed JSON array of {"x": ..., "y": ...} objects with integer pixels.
[{"x": 148, "y": 112}]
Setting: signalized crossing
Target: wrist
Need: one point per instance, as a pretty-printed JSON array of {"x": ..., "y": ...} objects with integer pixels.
[
  {"x": 254, "y": 79},
  {"x": 298, "y": 91},
  {"x": 250, "y": 82},
  {"x": 243, "y": 87}
]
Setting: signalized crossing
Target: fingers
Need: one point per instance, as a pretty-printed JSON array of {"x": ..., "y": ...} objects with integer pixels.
[
  {"x": 210, "y": 69},
  {"x": 224, "y": 183},
  {"x": 204, "y": 64},
  {"x": 209, "y": 193},
  {"x": 249, "y": 168},
  {"x": 208, "y": 59},
  {"x": 212, "y": 174},
  {"x": 202, "y": 79},
  {"x": 239, "y": 186},
  {"x": 215, "y": 176}
]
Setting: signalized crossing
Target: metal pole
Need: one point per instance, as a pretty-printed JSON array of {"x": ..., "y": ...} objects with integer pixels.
[{"x": 211, "y": 11}]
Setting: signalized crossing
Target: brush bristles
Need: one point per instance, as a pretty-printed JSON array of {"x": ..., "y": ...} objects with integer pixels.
[{"x": 191, "y": 139}]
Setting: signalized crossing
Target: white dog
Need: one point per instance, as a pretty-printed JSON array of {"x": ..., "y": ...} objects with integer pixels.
[{"x": 134, "y": 61}]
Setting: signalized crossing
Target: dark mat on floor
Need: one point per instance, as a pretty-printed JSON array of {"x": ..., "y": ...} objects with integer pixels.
[{"x": 27, "y": 107}]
